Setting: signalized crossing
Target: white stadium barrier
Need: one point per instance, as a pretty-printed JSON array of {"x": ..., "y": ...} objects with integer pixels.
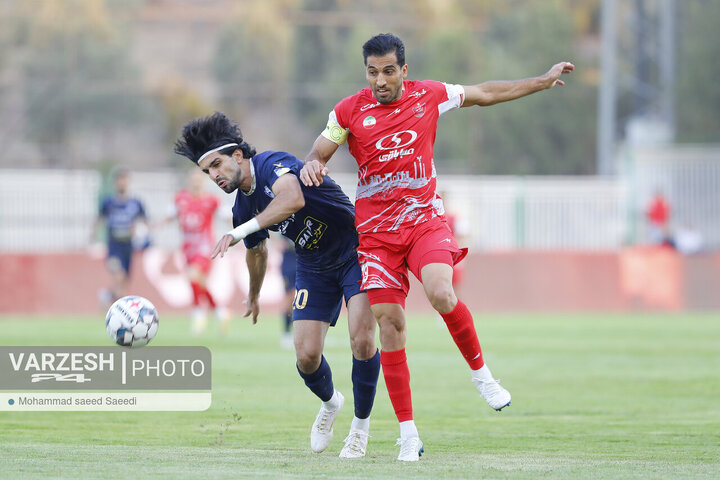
[{"x": 53, "y": 210}]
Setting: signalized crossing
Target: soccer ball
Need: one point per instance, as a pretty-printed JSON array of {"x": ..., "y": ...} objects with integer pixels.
[{"x": 132, "y": 321}]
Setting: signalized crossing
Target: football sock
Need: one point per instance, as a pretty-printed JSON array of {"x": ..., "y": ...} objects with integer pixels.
[
  {"x": 408, "y": 429},
  {"x": 397, "y": 380},
  {"x": 362, "y": 424},
  {"x": 462, "y": 328},
  {"x": 483, "y": 373},
  {"x": 333, "y": 403},
  {"x": 288, "y": 320},
  {"x": 320, "y": 381},
  {"x": 365, "y": 375},
  {"x": 197, "y": 290},
  {"x": 209, "y": 297}
]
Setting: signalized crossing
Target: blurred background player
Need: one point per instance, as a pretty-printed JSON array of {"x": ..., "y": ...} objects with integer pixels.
[
  {"x": 288, "y": 268},
  {"x": 195, "y": 209},
  {"x": 460, "y": 230},
  {"x": 122, "y": 215}
]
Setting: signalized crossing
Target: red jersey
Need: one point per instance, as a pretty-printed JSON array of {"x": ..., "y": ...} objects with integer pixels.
[
  {"x": 195, "y": 215},
  {"x": 393, "y": 146}
]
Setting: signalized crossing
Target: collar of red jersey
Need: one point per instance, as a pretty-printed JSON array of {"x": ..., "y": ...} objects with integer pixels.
[{"x": 252, "y": 175}]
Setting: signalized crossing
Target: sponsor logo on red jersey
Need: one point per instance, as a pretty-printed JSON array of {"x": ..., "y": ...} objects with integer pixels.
[{"x": 396, "y": 140}]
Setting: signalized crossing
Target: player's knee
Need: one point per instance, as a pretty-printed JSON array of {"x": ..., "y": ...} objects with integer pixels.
[
  {"x": 307, "y": 360},
  {"x": 389, "y": 323},
  {"x": 363, "y": 345},
  {"x": 442, "y": 298}
]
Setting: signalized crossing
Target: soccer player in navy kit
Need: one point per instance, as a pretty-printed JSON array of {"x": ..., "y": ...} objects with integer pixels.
[
  {"x": 320, "y": 221},
  {"x": 121, "y": 213}
]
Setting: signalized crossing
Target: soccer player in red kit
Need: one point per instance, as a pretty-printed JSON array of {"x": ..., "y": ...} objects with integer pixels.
[
  {"x": 195, "y": 211},
  {"x": 390, "y": 130}
]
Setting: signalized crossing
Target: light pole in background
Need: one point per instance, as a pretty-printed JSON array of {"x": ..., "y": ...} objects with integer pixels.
[{"x": 637, "y": 66}]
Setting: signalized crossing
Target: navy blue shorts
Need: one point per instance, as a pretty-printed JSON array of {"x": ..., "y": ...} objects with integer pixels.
[
  {"x": 319, "y": 295},
  {"x": 119, "y": 256}
]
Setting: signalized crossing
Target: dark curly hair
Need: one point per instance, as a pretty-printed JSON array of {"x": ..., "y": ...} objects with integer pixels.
[
  {"x": 203, "y": 134},
  {"x": 382, "y": 44}
]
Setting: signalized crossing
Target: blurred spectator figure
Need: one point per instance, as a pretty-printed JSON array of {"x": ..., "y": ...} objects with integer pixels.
[
  {"x": 194, "y": 209},
  {"x": 460, "y": 229},
  {"x": 288, "y": 267},
  {"x": 688, "y": 240},
  {"x": 123, "y": 215},
  {"x": 658, "y": 217}
]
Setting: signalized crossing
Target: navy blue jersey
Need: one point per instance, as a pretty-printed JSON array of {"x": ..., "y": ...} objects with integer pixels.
[
  {"x": 120, "y": 214},
  {"x": 323, "y": 230}
]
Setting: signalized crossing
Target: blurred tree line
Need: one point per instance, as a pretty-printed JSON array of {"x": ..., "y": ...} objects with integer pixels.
[{"x": 287, "y": 62}]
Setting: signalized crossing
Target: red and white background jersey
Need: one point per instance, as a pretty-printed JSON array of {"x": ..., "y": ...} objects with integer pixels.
[
  {"x": 393, "y": 146},
  {"x": 195, "y": 215}
]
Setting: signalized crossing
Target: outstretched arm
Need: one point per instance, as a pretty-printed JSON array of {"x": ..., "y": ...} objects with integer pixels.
[
  {"x": 314, "y": 170},
  {"x": 256, "y": 259},
  {"x": 288, "y": 200},
  {"x": 492, "y": 92}
]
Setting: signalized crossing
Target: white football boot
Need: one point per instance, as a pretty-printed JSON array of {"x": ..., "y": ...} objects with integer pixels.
[
  {"x": 223, "y": 317},
  {"x": 411, "y": 449},
  {"x": 322, "y": 429},
  {"x": 198, "y": 321},
  {"x": 495, "y": 395},
  {"x": 355, "y": 444}
]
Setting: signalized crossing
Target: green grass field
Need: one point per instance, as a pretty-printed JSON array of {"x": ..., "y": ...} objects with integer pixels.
[{"x": 594, "y": 396}]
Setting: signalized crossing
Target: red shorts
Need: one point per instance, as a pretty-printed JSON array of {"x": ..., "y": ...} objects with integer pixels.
[
  {"x": 201, "y": 262},
  {"x": 386, "y": 257}
]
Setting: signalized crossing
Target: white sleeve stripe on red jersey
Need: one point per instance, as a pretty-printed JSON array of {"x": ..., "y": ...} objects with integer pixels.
[{"x": 456, "y": 95}]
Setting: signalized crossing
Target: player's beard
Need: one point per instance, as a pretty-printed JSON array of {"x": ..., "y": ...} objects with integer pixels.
[
  {"x": 230, "y": 184},
  {"x": 393, "y": 95}
]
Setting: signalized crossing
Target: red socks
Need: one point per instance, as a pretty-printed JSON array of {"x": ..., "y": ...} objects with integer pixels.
[
  {"x": 461, "y": 327},
  {"x": 209, "y": 297},
  {"x": 397, "y": 380},
  {"x": 395, "y": 367},
  {"x": 199, "y": 292}
]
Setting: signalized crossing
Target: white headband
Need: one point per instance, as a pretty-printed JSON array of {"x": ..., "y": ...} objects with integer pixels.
[{"x": 227, "y": 145}]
